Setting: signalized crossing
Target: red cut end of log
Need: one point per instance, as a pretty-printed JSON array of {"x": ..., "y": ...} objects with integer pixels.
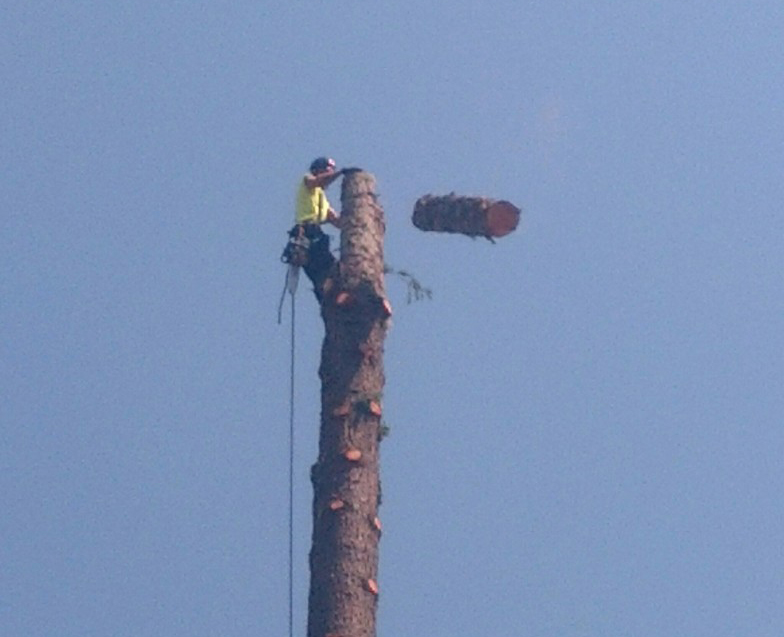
[
  {"x": 336, "y": 504},
  {"x": 372, "y": 586},
  {"x": 502, "y": 218},
  {"x": 374, "y": 408}
]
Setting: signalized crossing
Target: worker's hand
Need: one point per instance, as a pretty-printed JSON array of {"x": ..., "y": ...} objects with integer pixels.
[{"x": 333, "y": 218}]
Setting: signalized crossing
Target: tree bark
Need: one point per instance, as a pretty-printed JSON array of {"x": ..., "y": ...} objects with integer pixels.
[
  {"x": 346, "y": 529},
  {"x": 472, "y": 216}
]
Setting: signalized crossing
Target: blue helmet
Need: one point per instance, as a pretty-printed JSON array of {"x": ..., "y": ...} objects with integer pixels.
[{"x": 321, "y": 164}]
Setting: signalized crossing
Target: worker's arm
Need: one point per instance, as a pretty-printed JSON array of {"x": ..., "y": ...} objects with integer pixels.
[{"x": 323, "y": 180}]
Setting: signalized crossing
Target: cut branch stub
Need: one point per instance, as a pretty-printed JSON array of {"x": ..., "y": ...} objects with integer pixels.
[
  {"x": 343, "y": 409},
  {"x": 472, "y": 216},
  {"x": 336, "y": 504},
  {"x": 352, "y": 454}
]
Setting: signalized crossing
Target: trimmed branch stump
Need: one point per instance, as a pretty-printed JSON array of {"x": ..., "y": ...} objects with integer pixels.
[{"x": 471, "y": 216}]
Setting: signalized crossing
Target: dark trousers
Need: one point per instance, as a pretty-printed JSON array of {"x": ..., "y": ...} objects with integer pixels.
[{"x": 320, "y": 259}]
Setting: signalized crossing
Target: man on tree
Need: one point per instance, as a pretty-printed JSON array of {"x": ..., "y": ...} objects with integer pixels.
[{"x": 308, "y": 244}]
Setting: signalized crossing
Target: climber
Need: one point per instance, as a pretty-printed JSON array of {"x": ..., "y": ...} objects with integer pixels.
[{"x": 308, "y": 244}]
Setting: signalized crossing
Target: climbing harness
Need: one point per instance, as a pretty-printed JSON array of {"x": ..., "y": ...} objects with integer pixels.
[
  {"x": 297, "y": 248},
  {"x": 295, "y": 254},
  {"x": 296, "y": 251}
]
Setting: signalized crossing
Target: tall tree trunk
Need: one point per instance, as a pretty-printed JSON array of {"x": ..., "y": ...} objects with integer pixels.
[{"x": 346, "y": 529}]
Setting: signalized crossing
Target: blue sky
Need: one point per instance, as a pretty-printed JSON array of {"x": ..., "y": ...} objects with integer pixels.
[{"x": 586, "y": 419}]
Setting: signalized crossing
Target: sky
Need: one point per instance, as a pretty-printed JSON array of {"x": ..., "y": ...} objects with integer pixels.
[{"x": 585, "y": 420}]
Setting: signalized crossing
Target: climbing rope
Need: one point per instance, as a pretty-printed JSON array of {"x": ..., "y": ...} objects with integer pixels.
[
  {"x": 290, "y": 286},
  {"x": 291, "y": 470}
]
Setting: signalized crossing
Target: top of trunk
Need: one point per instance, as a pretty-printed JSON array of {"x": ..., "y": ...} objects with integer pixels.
[{"x": 362, "y": 234}]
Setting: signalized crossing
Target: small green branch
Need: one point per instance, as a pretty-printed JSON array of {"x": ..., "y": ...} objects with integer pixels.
[{"x": 415, "y": 291}]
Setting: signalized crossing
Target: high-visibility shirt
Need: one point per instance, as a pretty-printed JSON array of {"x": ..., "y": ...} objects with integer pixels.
[{"x": 312, "y": 204}]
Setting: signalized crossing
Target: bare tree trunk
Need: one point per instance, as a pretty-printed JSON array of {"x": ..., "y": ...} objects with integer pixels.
[
  {"x": 346, "y": 529},
  {"x": 472, "y": 216}
]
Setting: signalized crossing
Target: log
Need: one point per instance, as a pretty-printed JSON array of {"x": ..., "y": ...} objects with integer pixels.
[{"x": 471, "y": 216}]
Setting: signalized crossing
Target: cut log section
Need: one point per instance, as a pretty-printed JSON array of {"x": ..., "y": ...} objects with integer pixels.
[{"x": 472, "y": 216}]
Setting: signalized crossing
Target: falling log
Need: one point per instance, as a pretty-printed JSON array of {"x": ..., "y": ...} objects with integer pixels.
[{"x": 472, "y": 216}]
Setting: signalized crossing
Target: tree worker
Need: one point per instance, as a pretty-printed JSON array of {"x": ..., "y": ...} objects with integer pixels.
[{"x": 308, "y": 244}]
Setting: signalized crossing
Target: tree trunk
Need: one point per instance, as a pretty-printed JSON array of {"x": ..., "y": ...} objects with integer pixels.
[
  {"x": 346, "y": 529},
  {"x": 472, "y": 216}
]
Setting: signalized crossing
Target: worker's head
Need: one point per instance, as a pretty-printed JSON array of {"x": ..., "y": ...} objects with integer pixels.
[{"x": 321, "y": 165}]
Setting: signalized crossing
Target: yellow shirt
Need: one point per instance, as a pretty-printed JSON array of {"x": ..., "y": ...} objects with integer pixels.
[{"x": 312, "y": 204}]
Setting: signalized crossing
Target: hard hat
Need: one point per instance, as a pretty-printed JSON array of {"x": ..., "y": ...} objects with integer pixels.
[{"x": 321, "y": 163}]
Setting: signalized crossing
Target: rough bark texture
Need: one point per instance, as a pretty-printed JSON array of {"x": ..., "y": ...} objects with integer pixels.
[
  {"x": 344, "y": 555},
  {"x": 472, "y": 216}
]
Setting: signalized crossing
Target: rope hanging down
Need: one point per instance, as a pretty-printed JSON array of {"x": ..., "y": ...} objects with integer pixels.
[
  {"x": 290, "y": 285},
  {"x": 291, "y": 473},
  {"x": 292, "y": 278}
]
